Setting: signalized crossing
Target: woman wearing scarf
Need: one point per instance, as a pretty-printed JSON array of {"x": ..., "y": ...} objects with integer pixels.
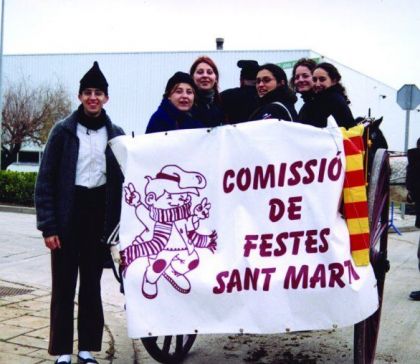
[
  {"x": 174, "y": 112},
  {"x": 208, "y": 107},
  {"x": 276, "y": 99}
]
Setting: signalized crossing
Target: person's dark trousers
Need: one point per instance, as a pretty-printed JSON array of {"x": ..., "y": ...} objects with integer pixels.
[
  {"x": 418, "y": 253},
  {"x": 84, "y": 253}
]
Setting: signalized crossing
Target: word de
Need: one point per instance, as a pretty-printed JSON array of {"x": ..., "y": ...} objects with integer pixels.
[{"x": 278, "y": 208}]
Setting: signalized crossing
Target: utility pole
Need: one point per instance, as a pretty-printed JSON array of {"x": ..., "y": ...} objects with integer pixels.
[{"x": 1, "y": 76}]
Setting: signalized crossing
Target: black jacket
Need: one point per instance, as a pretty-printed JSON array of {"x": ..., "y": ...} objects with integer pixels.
[
  {"x": 55, "y": 185},
  {"x": 208, "y": 110},
  {"x": 413, "y": 172},
  {"x": 269, "y": 108},
  {"x": 330, "y": 102},
  {"x": 238, "y": 103},
  {"x": 412, "y": 179}
]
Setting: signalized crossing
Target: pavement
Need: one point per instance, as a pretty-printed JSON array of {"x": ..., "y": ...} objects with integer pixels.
[{"x": 25, "y": 297}]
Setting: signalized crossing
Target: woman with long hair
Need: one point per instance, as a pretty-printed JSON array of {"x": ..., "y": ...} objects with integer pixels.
[
  {"x": 208, "y": 107},
  {"x": 302, "y": 82},
  {"x": 276, "y": 99},
  {"x": 330, "y": 97}
]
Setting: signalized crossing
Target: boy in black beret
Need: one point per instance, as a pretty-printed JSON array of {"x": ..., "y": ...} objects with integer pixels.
[{"x": 77, "y": 199}]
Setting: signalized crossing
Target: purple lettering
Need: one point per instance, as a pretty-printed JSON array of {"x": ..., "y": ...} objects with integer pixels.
[
  {"x": 265, "y": 246},
  {"x": 249, "y": 245},
  {"x": 336, "y": 272},
  {"x": 319, "y": 276},
  {"x": 292, "y": 280},
  {"x": 293, "y": 208},
  {"x": 293, "y": 181},
  {"x": 219, "y": 278},
  {"x": 228, "y": 187},
  {"x": 277, "y": 209},
  {"x": 268, "y": 272}
]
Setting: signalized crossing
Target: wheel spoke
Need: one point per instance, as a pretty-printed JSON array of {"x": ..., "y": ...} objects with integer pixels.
[
  {"x": 167, "y": 344},
  {"x": 179, "y": 344},
  {"x": 165, "y": 350},
  {"x": 376, "y": 236}
]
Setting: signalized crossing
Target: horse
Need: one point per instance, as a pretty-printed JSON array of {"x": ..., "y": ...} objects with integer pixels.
[{"x": 373, "y": 137}]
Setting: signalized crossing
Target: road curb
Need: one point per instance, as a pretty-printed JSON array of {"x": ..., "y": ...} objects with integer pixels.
[
  {"x": 18, "y": 209},
  {"x": 403, "y": 229}
]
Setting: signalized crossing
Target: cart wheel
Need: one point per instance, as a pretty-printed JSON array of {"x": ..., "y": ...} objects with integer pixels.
[
  {"x": 366, "y": 332},
  {"x": 162, "y": 349}
]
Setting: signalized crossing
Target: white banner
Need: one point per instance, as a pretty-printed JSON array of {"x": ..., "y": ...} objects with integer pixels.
[{"x": 237, "y": 230}]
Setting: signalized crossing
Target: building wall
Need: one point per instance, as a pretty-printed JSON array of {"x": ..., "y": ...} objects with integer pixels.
[{"x": 137, "y": 82}]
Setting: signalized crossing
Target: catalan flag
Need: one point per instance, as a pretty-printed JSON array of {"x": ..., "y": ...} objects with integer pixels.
[{"x": 354, "y": 195}]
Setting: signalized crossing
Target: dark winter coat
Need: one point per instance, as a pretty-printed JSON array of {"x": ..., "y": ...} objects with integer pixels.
[
  {"x": 238, "y": 103},
  {"x": 413, "y": 180},
  {"x": 269, "y": 108},
  {"x": 168, "y": 117},
  {"x": 55, "y": 185},
  {"x": 330, "y": 102},
  {"x": 208, "y": 110}
]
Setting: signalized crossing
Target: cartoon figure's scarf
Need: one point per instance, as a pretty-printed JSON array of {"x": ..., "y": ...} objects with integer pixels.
[
  {"x": 354, "y": 195},
  {"x": 170, "y": 215},
  {"x": 161, "y": 233}
]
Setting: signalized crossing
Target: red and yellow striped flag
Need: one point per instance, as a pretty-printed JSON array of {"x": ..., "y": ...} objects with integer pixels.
[{"x": 354, "y": 195}]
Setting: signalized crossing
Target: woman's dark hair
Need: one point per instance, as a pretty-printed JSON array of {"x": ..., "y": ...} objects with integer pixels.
[
  {"x": 279, "y": 75},
  {"x": 310, "y": 64},
  {"x": 210, "y": 62},
  {"x": 176, "y": 79},
  {"x": 335, "y": 76},
  {"x": 277, "y": 72}
]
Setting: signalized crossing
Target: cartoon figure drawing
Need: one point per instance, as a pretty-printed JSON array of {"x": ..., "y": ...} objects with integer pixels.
[{"x": 166, "y": 211}]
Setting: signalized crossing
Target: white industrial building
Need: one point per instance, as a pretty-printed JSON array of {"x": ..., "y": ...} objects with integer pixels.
[{"x": 137, "y": 82}]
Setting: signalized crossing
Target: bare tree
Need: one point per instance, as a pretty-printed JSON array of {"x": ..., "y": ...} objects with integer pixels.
[{"x": 28, "y": 115}]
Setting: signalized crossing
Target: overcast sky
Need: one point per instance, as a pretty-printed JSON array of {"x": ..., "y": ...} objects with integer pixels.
[{"x": 380, "y": 38}]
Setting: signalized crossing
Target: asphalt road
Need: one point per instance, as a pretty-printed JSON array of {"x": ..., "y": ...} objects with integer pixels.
[{"x": 25, "y": 260}]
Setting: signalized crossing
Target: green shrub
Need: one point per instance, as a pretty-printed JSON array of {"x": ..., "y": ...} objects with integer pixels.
[{"x": 17, "y": 188}]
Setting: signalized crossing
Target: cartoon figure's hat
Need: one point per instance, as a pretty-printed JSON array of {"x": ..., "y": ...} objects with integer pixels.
[{"x": 181, "y": 181}]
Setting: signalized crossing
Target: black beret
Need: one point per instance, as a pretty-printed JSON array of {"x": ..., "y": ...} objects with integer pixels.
[
  {"x": 179, "y": 77},
  {"x": 249, "y": 69},
  {"x": 94, "y": 78}
]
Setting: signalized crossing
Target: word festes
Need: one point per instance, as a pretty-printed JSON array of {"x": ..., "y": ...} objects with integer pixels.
[
  {"x": 266, "y": 245},
  {"x": 303, "y": 277}
]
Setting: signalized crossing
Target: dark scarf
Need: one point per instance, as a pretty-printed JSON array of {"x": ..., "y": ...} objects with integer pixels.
[
  {"x": 178, "y": 115},
  {"x": 170, "y": 215},
  {"x": 308, "y": 96},
  {"x": 282, "y": 94},
  {"x": 206, "y": 97},
  {"x": 89, "y": 122},
  {"x": 334, "y": 89}
]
